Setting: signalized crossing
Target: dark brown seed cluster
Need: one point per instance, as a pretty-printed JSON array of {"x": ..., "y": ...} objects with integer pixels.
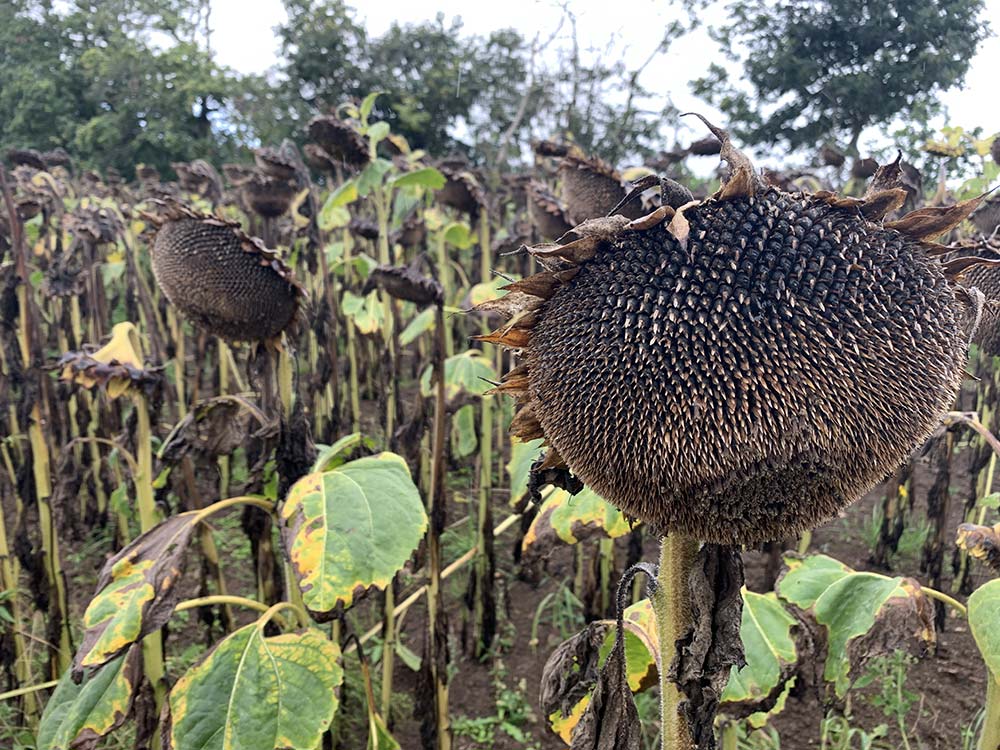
[
  {"x": 746, "y": 370},
  {"x": 756, "y": 382},
  {"x": 222, "y": 280}
]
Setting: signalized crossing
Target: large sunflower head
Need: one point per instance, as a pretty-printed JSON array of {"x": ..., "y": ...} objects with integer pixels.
[{"x": 744, "y": 367}]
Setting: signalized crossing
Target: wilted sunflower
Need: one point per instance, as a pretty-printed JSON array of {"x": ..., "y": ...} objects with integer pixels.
[
  {"x": 268, "y": 196},
  {"x": 995, "y": 149},
  {"x": 340, "y": 141},
  {"x": 590, "y": 187},
  {"x": 547, "y": 214},
  {"x": 223, "y": 280},
  {"x": 746, "y": 370}
]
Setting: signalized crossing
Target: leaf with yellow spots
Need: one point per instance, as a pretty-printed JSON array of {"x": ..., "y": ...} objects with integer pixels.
[
  {"x": 256, "y": 693},
  {"x": 77, "y": 716},
  {"x": 351, "y": 528},
  {"x": 522, "y": 456},
  {"x": 569, "y": 519},
  {"x": 135, "y": 592}
]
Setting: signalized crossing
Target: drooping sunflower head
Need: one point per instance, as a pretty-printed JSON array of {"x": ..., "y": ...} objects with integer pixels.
[
  {"x": 744, "y": 367},
  {"x": 221, "y": 279}
]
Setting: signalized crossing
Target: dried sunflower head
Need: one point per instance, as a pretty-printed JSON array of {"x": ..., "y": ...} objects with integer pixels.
[
  {"x": 547, "y": 214},
  {"x": 995, "y": 149},
  {"x": 223, "y": 280},
  {"x": 462, "y": 190},
  {"x": 117, "y": 366},
  {"x": 27, "y": 157},
  {"x": 340, "y": 141},
  {"x": 267, "y": 196},
  {"x": 200, "y": 178},
  {"x": 746, "y": 370}
]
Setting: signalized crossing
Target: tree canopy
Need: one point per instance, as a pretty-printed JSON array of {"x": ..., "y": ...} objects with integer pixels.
[
  {"x": 825, "y": 70},
  {"x": 121, "y": 82}
]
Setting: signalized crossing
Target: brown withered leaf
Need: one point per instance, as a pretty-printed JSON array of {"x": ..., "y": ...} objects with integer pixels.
[
  {"x": 927, "y": 223},
  {"x": 571, "y": 670},
  {"x": 712, "y": 647},
  {"x": 743, "y": 178},
  {"x": 981, "y": 542},
  {"x": 136, "y": 592},
  {"x": 216, "y": 427}
]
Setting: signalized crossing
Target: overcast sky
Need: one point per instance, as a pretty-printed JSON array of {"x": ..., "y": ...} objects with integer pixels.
[{"x": 244, "y": 40}]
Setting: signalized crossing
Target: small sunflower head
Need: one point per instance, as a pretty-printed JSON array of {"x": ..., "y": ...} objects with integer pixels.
[{"x": 221, "y": 279}]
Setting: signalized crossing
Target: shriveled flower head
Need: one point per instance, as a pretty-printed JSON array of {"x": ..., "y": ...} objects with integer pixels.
[
  {"x": 117, "y": 367},
  {"x": 220, "y": 278},
  {"x": 339, "y": 140},
  {"x": 744, "y": 367}
]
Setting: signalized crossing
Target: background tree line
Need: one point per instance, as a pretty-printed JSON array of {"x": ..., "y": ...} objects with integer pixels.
[{"x": 122, "y": 82}]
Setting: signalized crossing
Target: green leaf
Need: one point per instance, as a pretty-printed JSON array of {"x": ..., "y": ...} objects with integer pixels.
[
  {"x": 807, "y": 579},
  {"x": 771, "y": 654},
  {"x": 77, "y": 716},
  {"x": 366, "y": 312},
  {"x": 462, "y": 373},
  {"x": 422, "y": 323},
  {"x": 256, "y": 693},
  {"x": 377, "y": 132},
  {"x": 408, "y": 657},
  {"x": 488, "y": 290},
  {"x": 522, "y": 455},
  {"x": 427, "y": 177},
  {"x": 464, "y": 426},
  {"x": 136, "y": 592},
  {"x": 571, "y": 519},
  {"x": 850, "y": 605},
  {"x": 990, "y": 501},
  {"x": 367, "y": 103},
  {"x": 984, "y": 622},
  {"x": 351, "y": 528},
  {"x": 458, "y": 234},
  {"x": 379, "y": 737},
  {"x": 332, "y": 456},
  {"x": 372, "y": 175},
  {"x": 334, "y": 209}
]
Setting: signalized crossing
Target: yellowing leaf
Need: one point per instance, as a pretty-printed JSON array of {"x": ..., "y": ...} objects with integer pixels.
[
  {"x": 570, "y": 519},
  {"x": 136, "y": 592},
  {"x": 256, "y": 693},
  {"x": 351, "y": 528}
]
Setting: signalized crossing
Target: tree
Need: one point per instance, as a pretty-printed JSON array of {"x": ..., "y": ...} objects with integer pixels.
[
  {"x": 828, "y": 69},
  {"x": 88, "y": 76}
]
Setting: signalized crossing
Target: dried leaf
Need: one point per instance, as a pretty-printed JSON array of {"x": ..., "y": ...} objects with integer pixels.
[
  {"x": 981, "y": 542},
  {"x": 927, "y": 223},
  {"x": 743, "y": 179}
]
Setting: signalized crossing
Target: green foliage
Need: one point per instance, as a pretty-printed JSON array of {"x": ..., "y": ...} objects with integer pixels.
[
  {"x": 90, "y": 78},
  {"x": 827, "y": 70}
]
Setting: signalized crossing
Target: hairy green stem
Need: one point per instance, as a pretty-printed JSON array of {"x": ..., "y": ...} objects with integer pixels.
[
  {"x": 672, "y": 609},
  {"x": 990, "y": 739}
]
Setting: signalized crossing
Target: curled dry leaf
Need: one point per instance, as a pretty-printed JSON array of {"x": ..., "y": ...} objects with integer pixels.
[{"x": 981, "y": 542}]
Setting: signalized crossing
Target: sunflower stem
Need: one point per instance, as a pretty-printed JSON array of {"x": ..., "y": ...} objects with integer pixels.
[
  {"x": 990, "y": 739},
  {"x": 672, "y": 609}
]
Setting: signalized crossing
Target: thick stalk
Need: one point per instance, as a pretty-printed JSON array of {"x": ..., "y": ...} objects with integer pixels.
[
  {"x": 8, "y": 582},
  {"x": 177, "y": 332},
  {"x": 380, "y": 199},
  {"x": 152, "y": 644},
  {"x": 484, "y": 614},
  {"x": 672, "y": 609},
  {"x": 444, "y": 276},
  {"x": 990, "y": 739},
  {"x": 352, "y": 347},
  {"x": 224, "y": 356},
  {"x": 435, "y": 604},
  {"x": 606, "y": 564},
  {"x": 60, "y": 656}
]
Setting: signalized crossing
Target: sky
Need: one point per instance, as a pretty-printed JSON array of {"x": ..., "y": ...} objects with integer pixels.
[{"x": 245, "y": 41}]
